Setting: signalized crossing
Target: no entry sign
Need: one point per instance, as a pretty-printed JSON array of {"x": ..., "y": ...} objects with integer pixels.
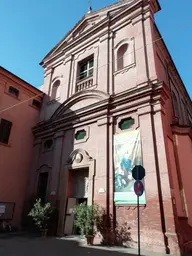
[{"x": 138, "y": 188}]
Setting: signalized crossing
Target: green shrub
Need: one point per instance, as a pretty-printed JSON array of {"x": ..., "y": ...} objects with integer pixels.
[
  {"x": 86, "y": 218},
  {"x": 41, "y": 213}
]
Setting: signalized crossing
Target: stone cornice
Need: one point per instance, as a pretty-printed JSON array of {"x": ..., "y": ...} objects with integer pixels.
[
  {"x": 59, "y": 134},
  {"x": 87, "y": 94},
  {"x": 69, "y": 120},
  {"x": 103, "y": 121},
  {"x": 153, "y": 94},
  {"x": 181, "y": 130}
]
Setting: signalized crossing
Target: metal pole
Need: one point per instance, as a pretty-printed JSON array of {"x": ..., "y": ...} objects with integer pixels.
[{"x": 138, "y": 220}]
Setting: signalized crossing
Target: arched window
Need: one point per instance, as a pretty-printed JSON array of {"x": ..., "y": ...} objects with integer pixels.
[
  {"x": 55, "y": 89},
  {"x": 121, "y": 56}
]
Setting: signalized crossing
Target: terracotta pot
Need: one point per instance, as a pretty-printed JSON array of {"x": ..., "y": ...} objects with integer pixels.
[
  {"x": 44, "y": 232},
  {"x": 90, "y": 240}
]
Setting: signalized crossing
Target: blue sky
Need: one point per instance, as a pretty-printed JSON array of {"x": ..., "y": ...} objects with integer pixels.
[{"x": 30, "y": 29}]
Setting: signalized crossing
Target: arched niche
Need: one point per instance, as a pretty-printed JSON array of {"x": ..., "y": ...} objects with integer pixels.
[{"x": 80, "y": 100}]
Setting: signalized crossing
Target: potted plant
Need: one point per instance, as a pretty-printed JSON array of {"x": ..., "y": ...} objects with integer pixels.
[
  {"x": 41, "y": 214},
  {"x": 86, "y": 219}
]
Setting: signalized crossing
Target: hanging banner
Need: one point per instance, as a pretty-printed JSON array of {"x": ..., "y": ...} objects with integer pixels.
[{"x": 127, "y": 154}]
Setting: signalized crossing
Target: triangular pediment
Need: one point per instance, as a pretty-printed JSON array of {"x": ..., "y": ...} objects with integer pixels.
[
  {"x": 89, "y": 21},
  {"x": 84, "y": 25}
]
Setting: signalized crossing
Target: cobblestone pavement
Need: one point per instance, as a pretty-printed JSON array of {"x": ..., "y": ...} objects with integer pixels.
[{"x": 31, "y": 246}]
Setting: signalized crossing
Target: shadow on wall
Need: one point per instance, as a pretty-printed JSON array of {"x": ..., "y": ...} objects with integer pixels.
[
  {"x": 119, "y": 235},
  {"x": 62, "y": 121}
]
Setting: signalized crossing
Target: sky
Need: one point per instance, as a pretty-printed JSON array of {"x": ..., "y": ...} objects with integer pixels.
[{"x": 31, "y": 28}]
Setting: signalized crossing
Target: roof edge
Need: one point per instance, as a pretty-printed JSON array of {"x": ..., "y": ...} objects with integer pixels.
[
  {"x": 171, "y": 59},
  {"x": 85, "y": 16},
  {"x": 17, "y": 77}
]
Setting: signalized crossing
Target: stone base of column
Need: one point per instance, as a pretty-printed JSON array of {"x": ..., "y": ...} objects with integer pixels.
[{"x": 173, "y": 244}]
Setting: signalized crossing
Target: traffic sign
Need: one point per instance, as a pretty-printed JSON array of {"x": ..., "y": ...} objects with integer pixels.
[
  {"x": 138, "y": 188},
  {"x": 138, "y": 172}
]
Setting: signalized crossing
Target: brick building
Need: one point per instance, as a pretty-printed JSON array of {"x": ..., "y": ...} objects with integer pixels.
[
  {"x": 20, "y": 105},
  {"x": 115, "y": 99}
]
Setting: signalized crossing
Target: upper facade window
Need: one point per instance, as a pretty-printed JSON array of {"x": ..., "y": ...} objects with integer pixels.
[
  {"x": 5, "y": 130},
  {"x": 36, "y": 104},
  {"x": 126, "y": 123},
  {"x": 122, "y": 56},
  {"x": 80, "y": 135},
  {"x": 86, "y": 68},
  {"x": 13, "y": 91},
  {"x": 55, "y": 87}
]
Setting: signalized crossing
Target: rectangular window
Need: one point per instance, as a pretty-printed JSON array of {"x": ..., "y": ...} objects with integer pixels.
[
  {"x": 42, "y": 186},
  {"x": 5, "y": 130},
  {"x": 14, "y": 91},
  {"x": 36, "y": 104},
  {"x": 86, "y": 69}
]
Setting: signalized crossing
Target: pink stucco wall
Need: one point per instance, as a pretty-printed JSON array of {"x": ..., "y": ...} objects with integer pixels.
[{"x": 15, "y": 157}]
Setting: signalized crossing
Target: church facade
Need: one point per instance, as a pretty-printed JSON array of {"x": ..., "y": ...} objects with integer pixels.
[{"x": 114, "y": 99}]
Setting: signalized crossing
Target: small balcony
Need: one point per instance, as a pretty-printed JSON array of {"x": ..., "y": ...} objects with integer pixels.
[{"x": 84, "y": 84}]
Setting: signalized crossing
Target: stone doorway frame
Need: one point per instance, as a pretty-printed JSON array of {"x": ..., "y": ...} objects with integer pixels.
[{"x": 78, "y": 159}]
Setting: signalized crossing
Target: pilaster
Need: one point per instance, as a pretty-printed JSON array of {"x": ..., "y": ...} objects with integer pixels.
[
  {"x": 142, "y": 69},
  {"x": 152, "y": 212},
  {"x": 111, "y": 166},
  {"x": 103, "y": 68},
  {"x": 166, "y": 206},
  {"x": 102, "y": 163},
  {"x": 59, "y": 137},
  {"x": 159, "y": 209},
  {"x": 33, "y": 169}
]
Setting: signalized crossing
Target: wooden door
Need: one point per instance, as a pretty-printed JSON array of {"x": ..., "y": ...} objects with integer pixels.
[{"x": 69, "y": 217}]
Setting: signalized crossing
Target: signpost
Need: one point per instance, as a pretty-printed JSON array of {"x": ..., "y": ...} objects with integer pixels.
[{"x": 138, "y": 174}]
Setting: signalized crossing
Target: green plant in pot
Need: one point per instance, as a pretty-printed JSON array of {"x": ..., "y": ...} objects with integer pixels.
[
  {"x": 41, "y": 214},
  {"x": 86, "y": 219}
]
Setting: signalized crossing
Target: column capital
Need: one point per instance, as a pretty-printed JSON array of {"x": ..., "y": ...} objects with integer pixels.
[
  {"x": 103, "y": 121},
  {"x": 144, "y": 110},
  {"x": 59, "y": 134},
  {"x": 48, "y": 72},
  {"x": 67, "y": 59}
]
